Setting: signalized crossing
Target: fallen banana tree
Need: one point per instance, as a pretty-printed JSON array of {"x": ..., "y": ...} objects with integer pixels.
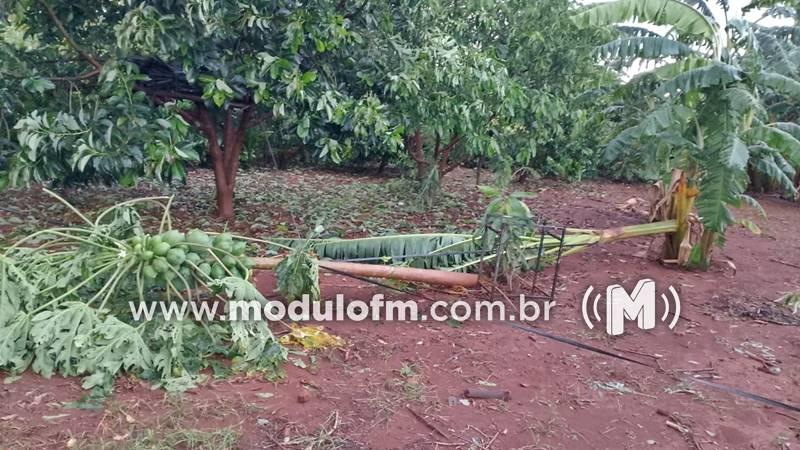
[
  {"x": 444, "y": 258},
  {"x": 430, "y": 276}
]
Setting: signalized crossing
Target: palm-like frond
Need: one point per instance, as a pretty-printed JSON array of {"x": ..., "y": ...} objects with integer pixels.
[
  {"x": 622, "y": 141},
  {"x": 781, "y": 136},
  {"x": 780, "y": 83},
  {"x": 632, "y": 30},
  {"x": 678, "y": 15},
  {"x": 717, "y": 74},
  {"x": 701, "y": 6},
  {"x": 648, "y": 47},
  {"x": 741, "y": 99},
  {"x": 723, "y": 160},
  {"x": 666, "y": 116},
  {"x": 417, "y": 250},
  {"x": 671, "y": 70},
  {"x": 721, "y": 187},
  {"x": 771, "y": 164},
  {"x": 780, "y": 11}
]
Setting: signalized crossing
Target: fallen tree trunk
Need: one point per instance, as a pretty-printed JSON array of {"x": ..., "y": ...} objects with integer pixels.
[{"x": 430, "y": 276}]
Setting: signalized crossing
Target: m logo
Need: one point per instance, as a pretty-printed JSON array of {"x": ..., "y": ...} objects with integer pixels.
[{"x": 639, "y": 305}]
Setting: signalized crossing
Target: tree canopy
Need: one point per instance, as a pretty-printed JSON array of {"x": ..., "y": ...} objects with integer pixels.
[{"x": 117, "y": 91}]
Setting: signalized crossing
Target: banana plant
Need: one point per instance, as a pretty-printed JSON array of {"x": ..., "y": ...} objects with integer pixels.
[{"x": 704, "y": 105}]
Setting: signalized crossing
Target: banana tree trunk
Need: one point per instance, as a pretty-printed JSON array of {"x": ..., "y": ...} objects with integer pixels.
[{"x": 430, "y": 276}]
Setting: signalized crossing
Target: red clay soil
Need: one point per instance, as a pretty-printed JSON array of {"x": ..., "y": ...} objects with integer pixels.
[{"x": 391, "y": 387}]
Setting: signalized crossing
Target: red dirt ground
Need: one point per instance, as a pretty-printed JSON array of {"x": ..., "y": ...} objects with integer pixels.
[{"x": 390, "y": 387}]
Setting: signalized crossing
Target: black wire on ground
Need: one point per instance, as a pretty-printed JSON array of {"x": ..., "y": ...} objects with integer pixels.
[{"x": 711, "y": 384}]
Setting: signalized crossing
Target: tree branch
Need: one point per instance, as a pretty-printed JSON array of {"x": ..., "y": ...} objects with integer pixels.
[
  {"x": 85, "y": 76},
  {"x": 449, "y": 168},
  {"x": 84, "y": 54},
  {"x": 206, "y": 124},
  {"x": 442, "y": 158},
  {"x": 182, "y": 96}
]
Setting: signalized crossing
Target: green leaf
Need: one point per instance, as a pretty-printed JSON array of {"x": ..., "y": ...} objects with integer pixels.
[
  {"x": 680, "y": 16},
  {"x": 303, "y": 126},
  {"x": 38, "y": 85},
  {"x": 647, "y": 47},
  {"x": 780, "y": 83},
  {"x": 739, "y": 155},
  {"x": 671, "y": 70},
  {"x": 490, "y": 191},
  {"x": 223, "y": 87},
  {"x": 298, "y": 275},
  {"x": 750, "y": 226},
  {"x": 713, "y": 75},
  {"x": 782, "y": 136},
  {"x": 308, "y": 77}
]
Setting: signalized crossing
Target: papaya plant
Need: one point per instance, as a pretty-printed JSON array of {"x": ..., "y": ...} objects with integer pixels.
[{"x": 66, "y": 296}]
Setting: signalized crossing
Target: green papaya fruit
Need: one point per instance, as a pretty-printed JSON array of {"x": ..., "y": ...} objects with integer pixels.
[{"x": 176, "y": 257}]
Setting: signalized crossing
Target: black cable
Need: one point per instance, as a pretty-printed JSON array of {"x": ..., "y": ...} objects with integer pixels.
[{"x": 717, "y": 386}]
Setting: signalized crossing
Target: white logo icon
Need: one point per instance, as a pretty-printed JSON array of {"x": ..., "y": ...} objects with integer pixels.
[{"x": 621, "y": 306}]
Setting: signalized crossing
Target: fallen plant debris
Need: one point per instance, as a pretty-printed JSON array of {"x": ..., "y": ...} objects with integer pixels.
[
  {"x": 485, "y": 393},
  {"x": 311, "y": 337},
  {"x": 66, "y": 293}
]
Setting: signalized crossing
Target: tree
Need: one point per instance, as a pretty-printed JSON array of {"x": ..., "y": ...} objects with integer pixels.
[
  {"x": 222, "y": 67},
  {"x": 451, "y": 98},
  {"x": 704, "y": 108},
  {"x": 552, "y": 61}
]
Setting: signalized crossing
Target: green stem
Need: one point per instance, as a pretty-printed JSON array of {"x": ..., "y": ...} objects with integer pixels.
[
  {"x": 74, "y": 288},
  {"x": 129, "y": 202},
  {"x": 58, "y": 232},
  {"x": 166, "y": 219},
  {"x": 68, "y": 205}
]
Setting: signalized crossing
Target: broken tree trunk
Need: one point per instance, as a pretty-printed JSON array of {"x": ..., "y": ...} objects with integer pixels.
[{"x": 430, "y": 276}]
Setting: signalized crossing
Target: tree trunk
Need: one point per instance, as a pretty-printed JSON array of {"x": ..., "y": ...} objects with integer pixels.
[
  {"x": 224, "y": 182},
  {"x": 224, "y": 154},
  {"x": 382, "y": 166},
  {"x": 414, "y": 148},
  {"x": 430, "y": 276},
  {"x": 225, "y": 203},
  {"x": 478, "y": 172}
]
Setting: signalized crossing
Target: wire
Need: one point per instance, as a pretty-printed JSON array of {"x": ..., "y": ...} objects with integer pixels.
[{"x": 711, "y": 384}]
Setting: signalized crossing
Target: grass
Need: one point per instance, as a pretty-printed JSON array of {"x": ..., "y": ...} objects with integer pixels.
[
  {"x": 150, "y": 439},
  {"x": 409, "y": 384},
  {"x": 123, "y": 428},
  {"x": 403, "y": 388},
  {"x": 324, "y": 438}
]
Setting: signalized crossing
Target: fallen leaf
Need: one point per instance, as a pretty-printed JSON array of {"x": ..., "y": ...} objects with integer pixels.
[
  {"x": 121, "y": 437},
  {"x": 298, "y": 363},
  {"x": 55, "y": 417},
  {"x": 311, "y": 337}
]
